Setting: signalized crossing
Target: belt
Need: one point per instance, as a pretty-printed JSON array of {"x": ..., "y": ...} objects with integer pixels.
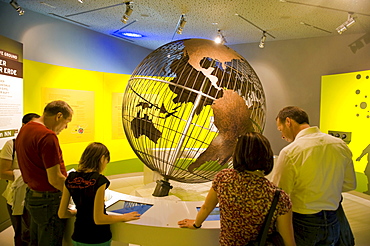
[
  {"x": 319, "y": 214},
  {"x": 44, "y": 192},
  {"x": 35, "y": 193},
  {"x": 326, "y": 212}
]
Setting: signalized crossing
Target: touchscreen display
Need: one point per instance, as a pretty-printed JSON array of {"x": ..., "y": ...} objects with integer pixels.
[
  {"x": 214, "y": 215},
  {"x": 123, "y": 207}
]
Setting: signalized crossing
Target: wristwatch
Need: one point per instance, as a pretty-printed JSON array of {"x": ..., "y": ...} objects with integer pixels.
[{"x": 195, "y": 226}]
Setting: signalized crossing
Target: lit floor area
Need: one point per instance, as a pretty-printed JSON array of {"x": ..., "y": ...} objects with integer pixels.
[{"x": 356, "y": 204}]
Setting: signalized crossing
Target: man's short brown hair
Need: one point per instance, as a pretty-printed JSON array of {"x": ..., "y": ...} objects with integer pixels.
[
  {"x": 57, "y": 106},
  {"x": 295, "y": 113}
]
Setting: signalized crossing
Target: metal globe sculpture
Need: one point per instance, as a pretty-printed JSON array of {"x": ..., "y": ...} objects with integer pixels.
[{"x": 184, "y": 107}]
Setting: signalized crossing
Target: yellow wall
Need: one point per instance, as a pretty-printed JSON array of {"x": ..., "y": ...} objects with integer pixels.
[
  {"x": 38, "y": 76},
  {"x": 345, "y": 106}
]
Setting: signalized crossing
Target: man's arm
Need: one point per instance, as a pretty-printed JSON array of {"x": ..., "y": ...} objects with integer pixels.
[{"x": 55, "y": 177}]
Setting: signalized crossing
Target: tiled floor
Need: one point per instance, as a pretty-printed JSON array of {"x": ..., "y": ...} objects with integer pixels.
[
  {"x": 357, "y": 208},
  {"x": 355, "y": 204}
]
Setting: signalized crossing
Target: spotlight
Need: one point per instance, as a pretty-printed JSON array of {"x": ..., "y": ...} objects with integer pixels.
[
  {"x": 17, "y": 7},
  {"x": 81, "y": 1},
  {"x": 220, "y": 39},
  {"x": 263, "y": 39},
  {"x": 128, "y": 12},
  {"x": 349, "y": 22},
  {"x": 181, "y": 25}
]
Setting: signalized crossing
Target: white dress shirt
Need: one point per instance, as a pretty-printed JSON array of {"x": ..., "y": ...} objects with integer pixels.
[{"x": 314, "y": 170}]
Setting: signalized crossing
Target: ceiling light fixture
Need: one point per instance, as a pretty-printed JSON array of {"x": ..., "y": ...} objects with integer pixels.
[
  {"x": 349, "y": 22},
  {"x": 81, "y": 1},
  {"x": 128, "y": 12},
  {"x": 181, "y": 25},
  {"x": 263, "y": 39},
  {"x": 17, "y": 7},
  {"x": 220, "y": 39}
]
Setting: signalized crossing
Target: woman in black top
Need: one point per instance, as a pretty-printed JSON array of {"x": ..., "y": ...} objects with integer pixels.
[{"x": 87, "y": 187}]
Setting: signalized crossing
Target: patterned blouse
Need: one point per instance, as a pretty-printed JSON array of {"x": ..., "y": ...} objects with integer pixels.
[{"x": 244, "y": 200}]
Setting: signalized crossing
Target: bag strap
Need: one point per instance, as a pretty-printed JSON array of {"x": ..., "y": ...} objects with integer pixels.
[
  {"x": 13, "y": 154},
  {"x": 262, "y": 237}
]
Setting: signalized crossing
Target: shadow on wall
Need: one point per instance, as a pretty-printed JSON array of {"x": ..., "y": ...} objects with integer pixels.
[
  {"x": 364, "y": 177},
  {"x": 360, "y": 43}
]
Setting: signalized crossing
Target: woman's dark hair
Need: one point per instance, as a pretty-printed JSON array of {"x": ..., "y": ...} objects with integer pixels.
[
  {"x": 253, "y": 152},
  {"x": 295, "y": 113},
  {"x": 90, "y": 159},
  {"x": 57, "y": 106}
]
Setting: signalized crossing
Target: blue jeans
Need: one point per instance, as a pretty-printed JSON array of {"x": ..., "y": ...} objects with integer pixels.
[
  {"x": 316, "y": 229},
  {"x": 46, "y": 228}
]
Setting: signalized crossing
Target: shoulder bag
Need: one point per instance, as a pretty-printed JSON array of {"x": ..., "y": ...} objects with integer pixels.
[{"x": 273, "y": 239}]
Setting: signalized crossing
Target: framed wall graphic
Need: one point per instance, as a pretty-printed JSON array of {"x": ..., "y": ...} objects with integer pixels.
[
  {"x": 82, "y": 126},
  {"x": 117, "y": 127}
]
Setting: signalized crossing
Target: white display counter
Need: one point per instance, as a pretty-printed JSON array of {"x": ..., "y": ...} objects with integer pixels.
[{"x": 158, "y": 225}]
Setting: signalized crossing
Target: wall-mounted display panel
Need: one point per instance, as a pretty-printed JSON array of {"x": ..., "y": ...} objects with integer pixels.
[
  {"x": 91, "y": 94},
  {"x": 11, "y": 88},
  {"x": 345, "y": 113},
  {"x": 117, "y": 128},
  {"x": 82, "y": 126}
]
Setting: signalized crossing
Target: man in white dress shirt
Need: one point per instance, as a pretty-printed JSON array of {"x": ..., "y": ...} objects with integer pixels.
[{"x": 314, "y": 169}]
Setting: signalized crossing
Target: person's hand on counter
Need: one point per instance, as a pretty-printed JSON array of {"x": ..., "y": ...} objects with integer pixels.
[
  {"x": 130, "y": 216},
  {"x": 186, "y": 223}
]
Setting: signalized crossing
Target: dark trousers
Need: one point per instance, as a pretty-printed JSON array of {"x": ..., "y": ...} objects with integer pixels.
[
  {"x": 46, "y": 227},
  {"x": 316, "y": 229},
  {"x": 21, "y": 226}
]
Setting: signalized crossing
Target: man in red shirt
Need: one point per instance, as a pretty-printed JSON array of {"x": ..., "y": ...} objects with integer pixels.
[{"x": 42, "y": 166}]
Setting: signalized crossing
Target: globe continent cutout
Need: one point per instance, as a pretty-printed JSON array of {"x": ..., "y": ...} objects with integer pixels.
[{"x": 186, "y": 104}]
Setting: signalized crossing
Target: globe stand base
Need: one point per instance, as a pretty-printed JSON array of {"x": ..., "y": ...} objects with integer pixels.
[{"x": 162, "y": 189}]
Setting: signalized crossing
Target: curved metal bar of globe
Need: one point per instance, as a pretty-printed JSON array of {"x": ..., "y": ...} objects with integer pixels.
[
  {"x": 186, "y": 129},
  {"x": 232, "y": 119}
]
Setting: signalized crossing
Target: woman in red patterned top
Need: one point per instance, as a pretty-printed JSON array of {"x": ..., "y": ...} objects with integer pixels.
[{"x": 245, "y": 196}]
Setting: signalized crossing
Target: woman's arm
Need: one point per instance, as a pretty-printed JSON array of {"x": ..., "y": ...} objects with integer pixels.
[
  {"x": 6, "y": 171},
  {"x": 209, "y": 204},
  {"x": 63, "y": 211},
  {"x": 101, "y": 219},
  {"x": 284, "y": 226}
]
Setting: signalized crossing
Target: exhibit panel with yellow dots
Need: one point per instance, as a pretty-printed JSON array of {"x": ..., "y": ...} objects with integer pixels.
[{"x": 345, "y": 113}]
